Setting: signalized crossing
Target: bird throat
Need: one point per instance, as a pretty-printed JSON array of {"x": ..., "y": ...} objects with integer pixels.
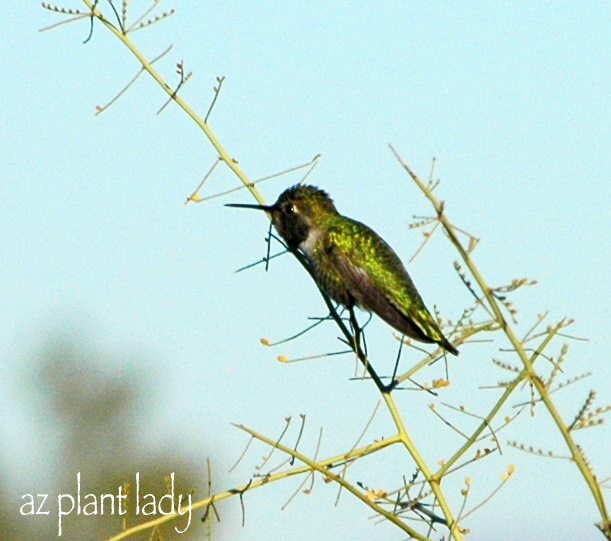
[{"x": 308, "y": 246}]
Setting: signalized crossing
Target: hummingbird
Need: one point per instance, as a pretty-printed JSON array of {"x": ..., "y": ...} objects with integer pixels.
[{"x": 351, "y": 262}]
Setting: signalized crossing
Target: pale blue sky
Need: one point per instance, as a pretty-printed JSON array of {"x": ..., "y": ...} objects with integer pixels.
[{"x": 513, "y": 101}]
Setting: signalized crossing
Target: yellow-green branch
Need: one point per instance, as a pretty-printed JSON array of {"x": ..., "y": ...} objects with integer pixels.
[
  {"x": 223, "y": 155},
  {"x": 263, "y": 480},
  {"x": 576, "y": 454}
]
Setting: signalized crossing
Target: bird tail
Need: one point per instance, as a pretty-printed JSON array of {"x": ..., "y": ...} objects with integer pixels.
[{"x": 447, "y": 345}]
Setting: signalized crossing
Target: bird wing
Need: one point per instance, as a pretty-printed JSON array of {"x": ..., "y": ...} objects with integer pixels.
[{"x": 379, "y": 282}]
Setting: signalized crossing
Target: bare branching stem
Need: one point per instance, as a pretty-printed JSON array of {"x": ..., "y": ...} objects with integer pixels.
[
  {"x": 324, "y": 466},
  {"x": 518, "y": 346},
  {"x": 222, "y": 153}
]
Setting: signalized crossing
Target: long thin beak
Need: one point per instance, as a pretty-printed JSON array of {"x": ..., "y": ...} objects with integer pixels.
[{"x": 266, "y": 208}]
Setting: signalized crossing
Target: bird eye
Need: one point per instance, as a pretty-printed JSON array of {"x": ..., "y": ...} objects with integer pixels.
[{"x": 290, "y": 209}]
